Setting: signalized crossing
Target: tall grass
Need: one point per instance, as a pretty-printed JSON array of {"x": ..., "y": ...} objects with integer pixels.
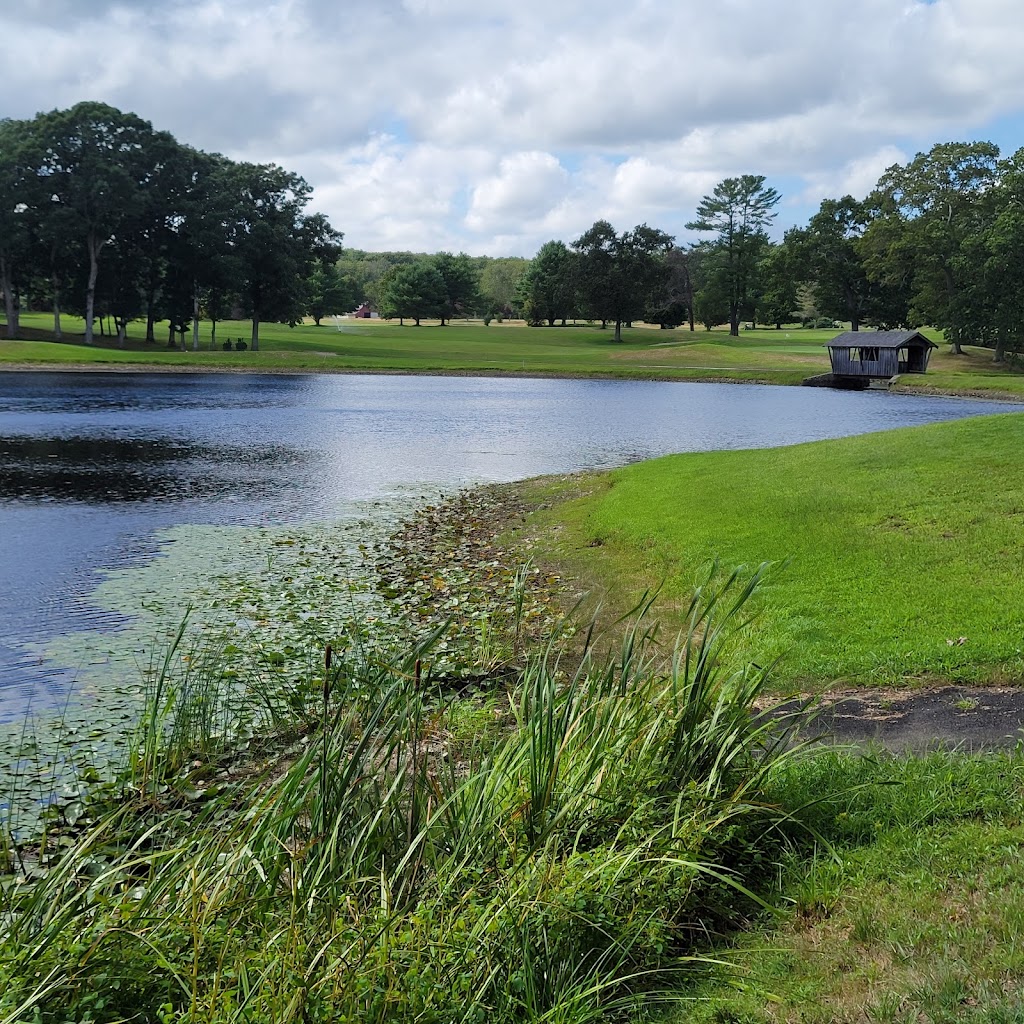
[{"x": 576, "y": 866}]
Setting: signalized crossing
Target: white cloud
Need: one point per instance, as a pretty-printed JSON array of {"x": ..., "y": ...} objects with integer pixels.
[
  {"x": 855, "y": 178},
  {"x": 525, "y": 188},
  {"x": 475, "y": 123}
]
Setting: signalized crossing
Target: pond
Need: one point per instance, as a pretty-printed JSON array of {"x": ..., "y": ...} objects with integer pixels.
[{"x": 100, "y": 474}]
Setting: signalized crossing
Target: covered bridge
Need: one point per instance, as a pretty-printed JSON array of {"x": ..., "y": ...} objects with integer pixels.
[{"x": 879, "y": 353}]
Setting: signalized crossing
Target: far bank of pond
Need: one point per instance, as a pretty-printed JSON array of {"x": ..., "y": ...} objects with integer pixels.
[{"x": 770, "y": 356}]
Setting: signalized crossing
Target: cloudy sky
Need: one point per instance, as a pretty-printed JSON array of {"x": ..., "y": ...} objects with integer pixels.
[{"x": 491, "y": 126}]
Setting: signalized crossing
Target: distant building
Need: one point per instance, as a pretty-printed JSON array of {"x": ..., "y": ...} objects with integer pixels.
[
  {"x": 879, "y": 354},
  {"x": 365, "y": 313}
]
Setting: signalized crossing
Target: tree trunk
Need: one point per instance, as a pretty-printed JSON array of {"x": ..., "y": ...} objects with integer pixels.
[
  {"x": 121, "y": 326},
  {"x": 688, "y": 284},
  {"x": 170, "y": 335},
  {"x": 150, "y": 317},
  {"x": 255, "y": 332},
  {"x": 195, "y": 319},
  {"x": 213, "y": 335},
  {"x": 854, "y": 324},
  {"x": 734, "y": 321},
  {"x": 10, "y": 302},
  {"x": 57, "y": 333},
  {"x": 90, "y": 290},
  {"x": 951, "y": 294},
  {"x": 316, "y": 320},
  {"x": 1000, "y": 352},
  {"x": 618, "y": 331}
]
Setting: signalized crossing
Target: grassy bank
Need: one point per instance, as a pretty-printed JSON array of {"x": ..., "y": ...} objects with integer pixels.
[
  {"x": 777, "y": 357},
  {"x": 897, "y": 557}
]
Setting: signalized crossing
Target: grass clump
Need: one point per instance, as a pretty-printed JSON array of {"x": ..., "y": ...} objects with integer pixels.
[
  {"x": 580, "y": 863},
  {"x": 877, "y": 540}
]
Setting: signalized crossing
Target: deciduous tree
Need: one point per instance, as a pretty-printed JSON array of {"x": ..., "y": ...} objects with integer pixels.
[
  {"x": 618, "y": 274},
  {"x": 925, "y": 214},
  {"x": 97, "y": 166},
  {"x": 413, "y": 290},
  {"x": 461, "y": 284}
]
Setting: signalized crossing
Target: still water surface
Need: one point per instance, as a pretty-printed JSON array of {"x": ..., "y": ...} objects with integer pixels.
[{"x": 94, "y": 466}]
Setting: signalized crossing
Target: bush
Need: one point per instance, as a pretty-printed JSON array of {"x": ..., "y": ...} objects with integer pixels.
[
  {"x": 240, "y": 346},
  {"x": 226, "y": 345}
]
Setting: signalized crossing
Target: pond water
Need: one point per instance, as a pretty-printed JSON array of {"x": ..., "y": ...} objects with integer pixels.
[{"x": 96, "y": 468}]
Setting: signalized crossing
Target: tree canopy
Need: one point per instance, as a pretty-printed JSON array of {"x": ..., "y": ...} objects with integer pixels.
[{"x": 98, "y": 207}]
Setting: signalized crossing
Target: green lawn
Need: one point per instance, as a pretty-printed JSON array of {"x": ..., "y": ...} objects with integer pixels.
[
  {"x": 899, "y": 557},
  {"x": 460, "y": 346},
  {"x": 912, "y": 914},
  {"x": 779, "y": 357}
]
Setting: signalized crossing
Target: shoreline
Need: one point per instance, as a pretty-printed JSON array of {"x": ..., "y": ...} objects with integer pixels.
[{"x": 974, "y": 394}]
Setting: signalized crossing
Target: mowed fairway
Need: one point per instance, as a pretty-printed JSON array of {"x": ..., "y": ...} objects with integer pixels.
[
  {"x": 898, "y": 557},
  {"x": 467, "y": 347},
  {"x": 769, "y": 356}
]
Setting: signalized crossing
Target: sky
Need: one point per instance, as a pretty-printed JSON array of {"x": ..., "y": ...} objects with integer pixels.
[{"x": 491, "y": 126}]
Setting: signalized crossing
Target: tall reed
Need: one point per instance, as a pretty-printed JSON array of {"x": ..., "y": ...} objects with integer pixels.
[{"x": 576, "y": 866}]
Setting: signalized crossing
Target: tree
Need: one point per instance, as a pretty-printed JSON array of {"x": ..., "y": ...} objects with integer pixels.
[
  {"x": 414, "y": 290},
  {"x": 460, "y": 284},
  {"x": 711, "y": 303},
  {"x": 98, "y": 167},
  {"x": 827, "y": 255},
  {"x": 618, "y": 274},
  {"x": 739, "y": 211},
  {"x": 992, "y": 294},
  {"x": 15, "y": 231},
  {"x": 779, "y": 299},
  {"x": 273, "y": 242},
  {"x": 673, "y": 303},
  {"x": 547, "y": 290},
  {"x": 329, "y": 292},
  {"x": 925, "y": 214},
  {"x": 499, "y": 283}
]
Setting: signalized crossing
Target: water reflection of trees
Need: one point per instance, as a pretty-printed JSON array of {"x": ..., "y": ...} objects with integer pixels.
[{"x": 115, "y": 470}]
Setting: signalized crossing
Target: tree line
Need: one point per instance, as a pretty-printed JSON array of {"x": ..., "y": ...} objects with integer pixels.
[
  {"x": 100, "y": 214},
  {"x": 104, "y": 216},
  {"x": 938, "y": 241}
]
